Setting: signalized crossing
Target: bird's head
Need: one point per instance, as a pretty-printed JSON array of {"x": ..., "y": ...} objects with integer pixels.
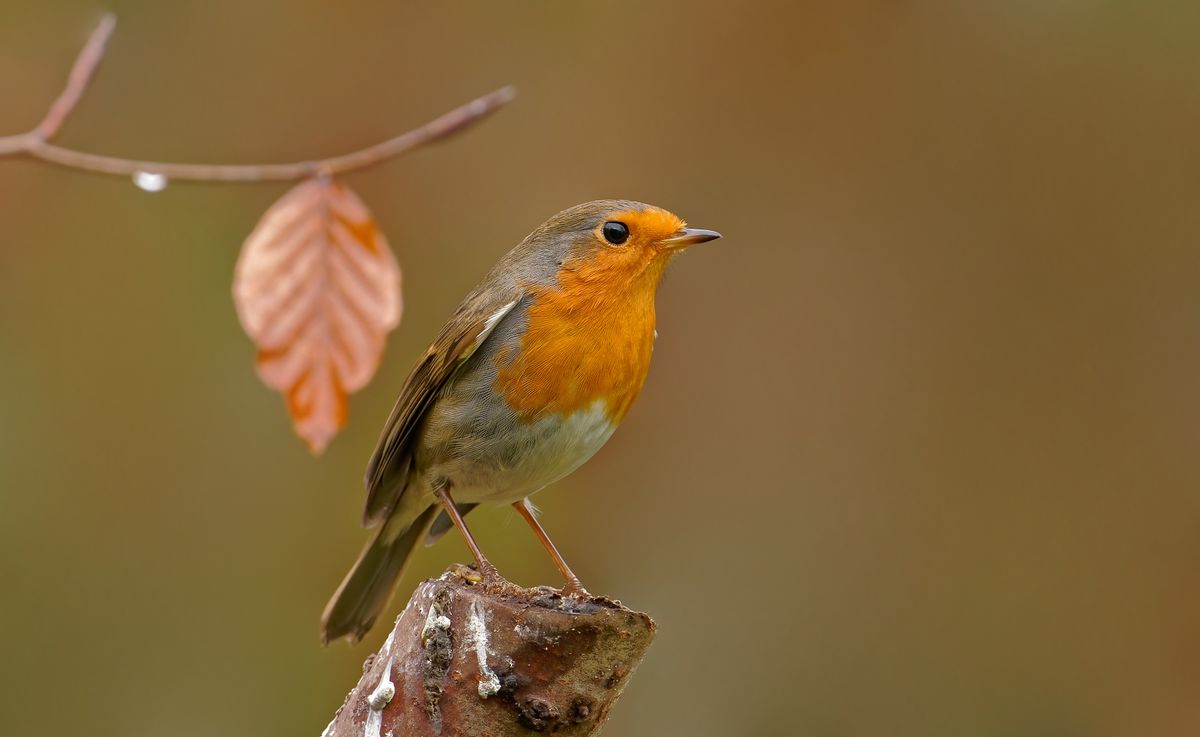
[{"x": 612, "y": 244}]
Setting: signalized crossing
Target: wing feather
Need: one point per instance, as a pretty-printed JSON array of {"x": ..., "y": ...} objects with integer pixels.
[{"x": 388, "y": 469}]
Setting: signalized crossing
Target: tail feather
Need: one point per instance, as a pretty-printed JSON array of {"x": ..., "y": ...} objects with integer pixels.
[
  {"x": 369, "y": 586},
  {"x": 443, "y": 524}
]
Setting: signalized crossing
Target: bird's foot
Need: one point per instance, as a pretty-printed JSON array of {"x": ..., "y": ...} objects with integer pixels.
[
  {"x": 485, "y": 574},
  {"x": 466, "y": 572},
  {"x": 573, "y": 589}
]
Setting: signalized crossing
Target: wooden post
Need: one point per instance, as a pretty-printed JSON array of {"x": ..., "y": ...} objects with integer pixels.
[{"x": 465, "y": 660}]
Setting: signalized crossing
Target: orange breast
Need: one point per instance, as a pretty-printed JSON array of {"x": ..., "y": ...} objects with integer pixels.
[{"x": 589, "y": 339}]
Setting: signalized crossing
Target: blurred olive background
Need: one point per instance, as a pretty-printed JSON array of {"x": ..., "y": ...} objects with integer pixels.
[{"x": 918, "y": 454}]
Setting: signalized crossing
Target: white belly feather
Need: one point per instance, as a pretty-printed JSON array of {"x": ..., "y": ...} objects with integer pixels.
[{"x": 525, "y": 458}]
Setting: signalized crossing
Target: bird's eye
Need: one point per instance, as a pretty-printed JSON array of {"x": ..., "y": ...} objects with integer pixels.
[{"x": 615, "y": 232}]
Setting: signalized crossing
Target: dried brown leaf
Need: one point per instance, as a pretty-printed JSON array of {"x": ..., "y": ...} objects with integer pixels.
[{"x": 317, "y": 289}]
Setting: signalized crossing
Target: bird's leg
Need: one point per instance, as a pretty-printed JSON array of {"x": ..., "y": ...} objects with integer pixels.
[
  {"x": 486, "y": 569},
  {"x": 573, "y": 587}
]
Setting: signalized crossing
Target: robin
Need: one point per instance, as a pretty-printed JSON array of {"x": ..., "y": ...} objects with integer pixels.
[{"x": 528, "y": 379}]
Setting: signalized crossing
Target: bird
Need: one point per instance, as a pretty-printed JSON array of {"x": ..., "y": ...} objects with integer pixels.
[{"x": 525, "y": 382}]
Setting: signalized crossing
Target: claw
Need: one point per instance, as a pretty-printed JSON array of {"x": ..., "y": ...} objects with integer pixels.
[
  {"x": 466, "y": 573},
  {"x": 575, "y": 590}
]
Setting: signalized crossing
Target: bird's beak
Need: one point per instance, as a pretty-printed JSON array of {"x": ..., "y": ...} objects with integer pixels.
[{"x": 685, "y": 237}]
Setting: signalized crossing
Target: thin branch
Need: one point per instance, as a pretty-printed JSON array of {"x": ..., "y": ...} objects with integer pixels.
[
  {"x": 435, "y": 129},
  {"x": 77, "y": 81},
  {"x": 18, "y": 144},
  {"x": 36, "y": 143}
]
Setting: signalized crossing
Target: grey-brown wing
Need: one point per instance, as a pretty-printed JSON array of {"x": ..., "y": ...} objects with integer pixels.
[{"x": 388, "y": 469}]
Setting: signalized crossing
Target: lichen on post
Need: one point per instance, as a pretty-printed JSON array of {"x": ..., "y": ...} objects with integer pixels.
[{"x": 466, "y": 660}]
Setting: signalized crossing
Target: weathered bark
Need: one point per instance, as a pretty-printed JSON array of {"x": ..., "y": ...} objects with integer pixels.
[{"x": 465, "y": 660}]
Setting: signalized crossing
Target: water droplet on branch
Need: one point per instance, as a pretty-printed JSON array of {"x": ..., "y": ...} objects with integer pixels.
[{"x": 149, "y": 181}]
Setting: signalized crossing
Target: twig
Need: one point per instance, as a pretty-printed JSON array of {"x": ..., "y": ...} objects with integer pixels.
[
  {"x": 77, "y": 81},
  {"x": 435, "y": 129},
  {"x": 36, "y": 143}
]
